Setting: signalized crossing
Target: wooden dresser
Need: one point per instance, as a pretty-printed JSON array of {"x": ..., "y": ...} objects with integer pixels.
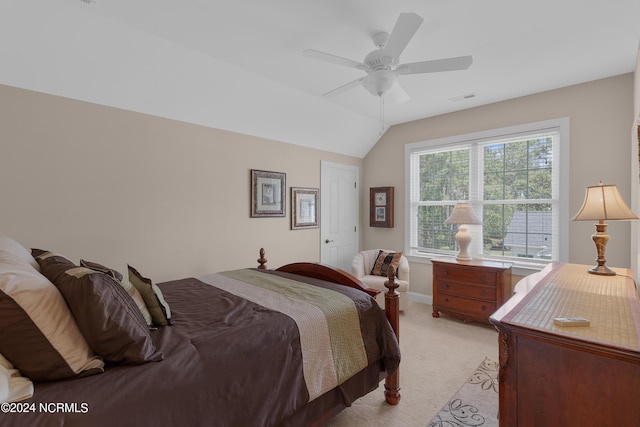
[
  {"x": 470, "y": 290},
  {"x": 570, "y": 376}
]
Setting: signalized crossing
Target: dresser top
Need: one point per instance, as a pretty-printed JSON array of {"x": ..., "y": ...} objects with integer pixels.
[
  {"x": 568, "y": 290},
  {"x": 477, "y": 262}
]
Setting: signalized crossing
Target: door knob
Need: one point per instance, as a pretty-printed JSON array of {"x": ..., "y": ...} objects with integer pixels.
[{"x": 328, "y": 241}]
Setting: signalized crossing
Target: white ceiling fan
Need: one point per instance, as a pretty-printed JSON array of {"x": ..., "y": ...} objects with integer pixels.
[{"x": 382, "y": 78}]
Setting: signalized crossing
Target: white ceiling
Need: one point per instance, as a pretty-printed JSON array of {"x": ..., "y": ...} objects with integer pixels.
[{"x": 238, "y": 65}]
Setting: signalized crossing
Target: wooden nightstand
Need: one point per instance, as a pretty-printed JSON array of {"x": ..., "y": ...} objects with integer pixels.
[{"x": 470, "y": 290}]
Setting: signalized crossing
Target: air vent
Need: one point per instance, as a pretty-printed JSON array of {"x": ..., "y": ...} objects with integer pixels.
[
  {"x": 463, "y": 97},
  {"x": 88, "y": 1}
]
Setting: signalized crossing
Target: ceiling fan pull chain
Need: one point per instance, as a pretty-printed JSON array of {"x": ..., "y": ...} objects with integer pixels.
[{"x": 381, "y": 114}]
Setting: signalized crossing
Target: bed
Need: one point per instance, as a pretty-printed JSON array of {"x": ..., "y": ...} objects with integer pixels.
[{"x": 249, "y": 347}]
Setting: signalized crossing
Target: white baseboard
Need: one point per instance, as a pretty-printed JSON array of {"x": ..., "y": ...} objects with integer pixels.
[{"x": 421, "y": 298}]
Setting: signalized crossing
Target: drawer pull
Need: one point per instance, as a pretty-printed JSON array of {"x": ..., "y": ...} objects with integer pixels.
[
  {"x": 483, "y": 293},
  {"x": 446, "y": 300},
  {"x": 445, "y": 273},
  {"x": 484, "y": 308},
  {"x": 446, "y": 286},
  {"x": 483, "y": 278}
]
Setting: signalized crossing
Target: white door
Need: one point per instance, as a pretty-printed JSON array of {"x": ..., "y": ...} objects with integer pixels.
[{"x": 339, "y": 207}]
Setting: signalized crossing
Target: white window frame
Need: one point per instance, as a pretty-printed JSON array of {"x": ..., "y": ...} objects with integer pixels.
[{"x": 561, "y": 222}]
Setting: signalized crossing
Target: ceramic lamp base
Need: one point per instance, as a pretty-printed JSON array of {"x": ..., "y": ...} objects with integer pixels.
[{"x": 463, "y": 239}]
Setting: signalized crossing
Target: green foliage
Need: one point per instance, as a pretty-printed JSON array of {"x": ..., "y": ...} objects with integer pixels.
[{"x": 514, "y": 172}]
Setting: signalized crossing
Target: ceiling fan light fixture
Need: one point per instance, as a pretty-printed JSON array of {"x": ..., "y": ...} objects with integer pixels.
[
  {"x": 380, "y": 82},
  {"x": 380, "y": 39},
  {"x": 382, "y": 78}
]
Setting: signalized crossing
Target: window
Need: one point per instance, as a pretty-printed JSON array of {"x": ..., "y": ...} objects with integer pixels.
[{"x": 515, "y": 178}]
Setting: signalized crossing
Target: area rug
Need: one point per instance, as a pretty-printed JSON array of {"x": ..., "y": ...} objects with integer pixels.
[{"x": 476, "y": 403}]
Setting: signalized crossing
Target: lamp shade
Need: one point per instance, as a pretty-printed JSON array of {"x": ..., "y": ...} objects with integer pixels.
[
  {"x": 603, "y": 202},
  {"x": 463, "y": 214}
]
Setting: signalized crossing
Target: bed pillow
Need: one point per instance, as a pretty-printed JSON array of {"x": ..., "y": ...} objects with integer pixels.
[
  {"x": 12, "y": 251},
  {"x": 125, "y": 283},
  {"x": 107, "y": 316},
  {"x": 38, "y": 333},
  {"x": 383, "y": 261},
  {"x": 153, "y": 298},
  {"x": 102, "y": 268},
  {"x": 13, "y": 386}
]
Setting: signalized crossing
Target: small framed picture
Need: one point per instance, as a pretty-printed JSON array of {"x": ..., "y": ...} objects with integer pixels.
[
  {"x": 268, "y": 193},
  {"x": 381, "y": 207},
  {"x": 304, "y": 208}
]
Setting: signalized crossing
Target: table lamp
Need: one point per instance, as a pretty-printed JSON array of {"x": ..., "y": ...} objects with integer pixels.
[
  {"x": 603, "y": 202},
  {"x": 463, "y": 215}
]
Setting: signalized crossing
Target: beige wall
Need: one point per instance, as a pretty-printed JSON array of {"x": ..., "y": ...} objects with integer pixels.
[
  {"x": 173, "y": 198},
  {"x": 600, "y": 114},
  {"x": 119, "y": 187}
]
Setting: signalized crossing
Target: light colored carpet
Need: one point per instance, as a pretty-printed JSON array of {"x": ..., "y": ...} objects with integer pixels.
[
  {"x": 438, "y": 355},
  {"x": 476, "y": 403}
]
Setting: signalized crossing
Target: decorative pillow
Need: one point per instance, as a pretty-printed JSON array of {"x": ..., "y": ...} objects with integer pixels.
[
  {"x": 125, "y": 283},
  {"x": 101, "y": 268},
  {"x": 15, "y": 252},
  {"x": 383, "y": 261},
  {"x": 107, "y": 316},
  {"x": 137, "y": 298},
  {"x": 153, "y": 298},
  {"x": 38, "y": 334},
  {"x": 13, "y": 386}
]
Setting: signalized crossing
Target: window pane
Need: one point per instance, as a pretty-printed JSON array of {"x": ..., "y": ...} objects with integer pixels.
[
  {"x": 432, "y": 231},
  {"x": 494, "y": 226},
  {"x": 540, "y": 184},
  {"x": 522, "y": 230},
  {"x": 518, "y": 170},
  {"x": 494, "y": 158},
  {"x": 444, "y": 176},
  {"x": 516, "y": 185},
  {"x": 494, "y": 185},
  {"x": 541, "y": 153},
  {"x": 508, "y": 176}
]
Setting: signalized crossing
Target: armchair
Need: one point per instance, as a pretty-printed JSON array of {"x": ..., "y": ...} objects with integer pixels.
[{"x": 363, "y": 265}]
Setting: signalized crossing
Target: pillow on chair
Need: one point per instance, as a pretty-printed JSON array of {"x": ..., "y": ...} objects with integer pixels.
[{"x": 383, "y": 261}]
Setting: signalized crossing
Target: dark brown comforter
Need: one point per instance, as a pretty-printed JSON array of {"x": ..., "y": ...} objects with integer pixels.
[{"x": 228, "y": 362}]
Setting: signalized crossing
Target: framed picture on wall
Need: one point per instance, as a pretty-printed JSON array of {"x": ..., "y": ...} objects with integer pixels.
[
  {"x": 304, "y": 208},
  {"x": 381, "y": 207},
  {"x": 268, "y": 193}
]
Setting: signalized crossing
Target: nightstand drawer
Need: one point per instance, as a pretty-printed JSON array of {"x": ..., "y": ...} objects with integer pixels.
[
  {"x": 467, "y": 306},
  {"x": 465, "y": 275},
  {"x": 467, "y": 290}
]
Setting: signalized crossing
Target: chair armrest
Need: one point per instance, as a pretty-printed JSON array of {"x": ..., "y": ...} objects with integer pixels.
[
  {"x": 403, "y": 269},
  {"x": 357, "y": 266}
]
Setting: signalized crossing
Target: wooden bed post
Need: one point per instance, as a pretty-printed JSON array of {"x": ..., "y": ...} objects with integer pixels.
[
  {"x": 262, "y": 260},
  {"x": 392, "y": 309}
]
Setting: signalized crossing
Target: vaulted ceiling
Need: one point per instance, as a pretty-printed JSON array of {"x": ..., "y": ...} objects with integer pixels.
[{"x": 239, "y": 65}]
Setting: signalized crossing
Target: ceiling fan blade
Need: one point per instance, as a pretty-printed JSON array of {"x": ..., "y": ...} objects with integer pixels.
[
  {"x": 344, "y": 88},
  {"x": 327, "y": 57},
  {"x": 436, "y": 65},
  {"x": 406, "y": 26},
  {"x": 397, "y": 94}
]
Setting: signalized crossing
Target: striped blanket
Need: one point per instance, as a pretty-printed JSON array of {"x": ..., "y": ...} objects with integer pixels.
[{"x": 331, "y": 341}]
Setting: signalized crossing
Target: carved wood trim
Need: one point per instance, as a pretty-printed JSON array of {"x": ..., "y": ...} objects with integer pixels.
[{"x": 503, "y": 349}]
